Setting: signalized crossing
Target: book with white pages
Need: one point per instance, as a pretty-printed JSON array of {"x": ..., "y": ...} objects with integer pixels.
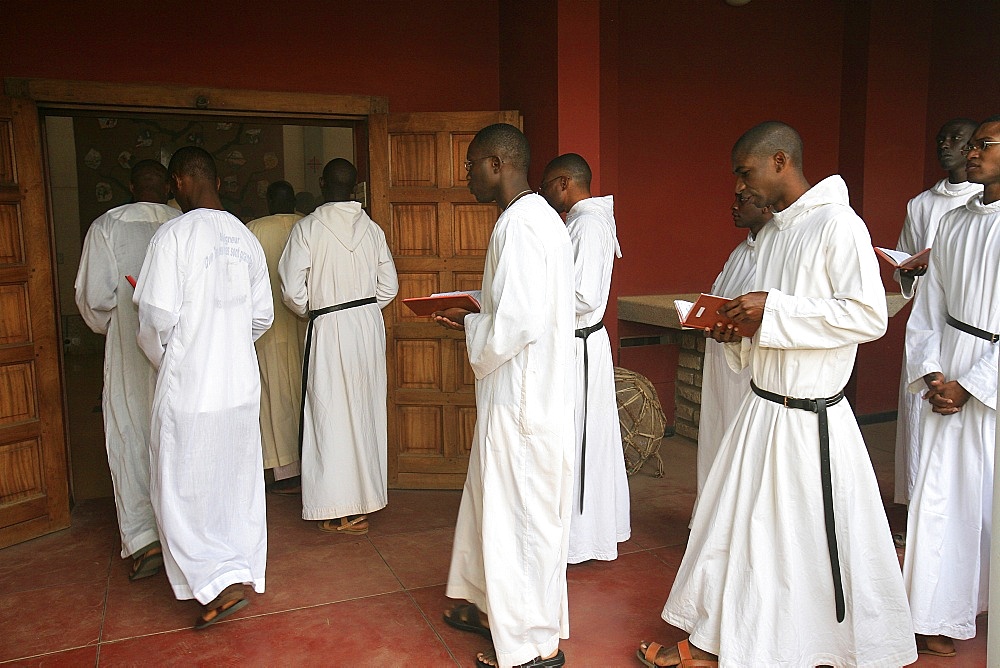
[{"x": 902, "y": 259}]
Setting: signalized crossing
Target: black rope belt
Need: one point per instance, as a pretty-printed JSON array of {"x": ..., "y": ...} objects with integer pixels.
[
  {"x": 583, "y": 333},
  {"x": 819, "y": 407},
  {"x": 969, "y": 329},
  {"x": 305, "y": 355}
]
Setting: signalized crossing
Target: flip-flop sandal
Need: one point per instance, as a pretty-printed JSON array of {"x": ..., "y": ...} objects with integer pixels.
[
  {"x": 465, "y": 617},
  {"x": 232, "y": 599},
  {"x": 922, "y": 648},
  {"x": 148, "y": 563},
  {"x": 357, "y": 525}
]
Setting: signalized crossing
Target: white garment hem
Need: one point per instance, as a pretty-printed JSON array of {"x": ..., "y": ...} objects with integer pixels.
[
  {"x": 139, "y": 541},
  {"x": 526, "y": 653},
  {"x": 207, "y": 594},
  {"x": 957, "y": 632},
  {"x": 333, "y": 513}
]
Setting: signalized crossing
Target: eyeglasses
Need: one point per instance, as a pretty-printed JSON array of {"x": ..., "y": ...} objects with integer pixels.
[
  {"x": 980, "y": 145},
  {"x": 545, "y": 183},
  {"x": 470, "y": 163}
]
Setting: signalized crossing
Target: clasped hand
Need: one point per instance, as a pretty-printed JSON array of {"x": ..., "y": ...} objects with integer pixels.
[
  {"x": 946, "y": 397},
  {"x": 747, "y": 309}
]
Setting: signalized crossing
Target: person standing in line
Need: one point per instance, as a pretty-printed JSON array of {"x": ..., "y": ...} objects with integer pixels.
[
  {"x": 512, "y": 535},
  {"x": 114, "y": 248},
  {"x": 337, "y": 270},
  {"x": 279, "y": 350},
  {"x": 204, "y": 298},
  {"x": 601, "y": 511}
]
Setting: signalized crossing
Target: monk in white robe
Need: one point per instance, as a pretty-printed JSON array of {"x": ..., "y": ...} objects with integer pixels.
[
  {"x": 763, "y": 582},
  {"x": 601, "y": 508},
  {"x": 279, "y": 349},
  {"x": 512, "y": 533},
  {"x": 204, "y": 297},
  {"x": 722, "y": 388},
  {"x": 922, "y": 215},
  {"x": 952, "y": 348},
  {"x": 337, "y": 257},
  {"x": 113, "y": 249}
]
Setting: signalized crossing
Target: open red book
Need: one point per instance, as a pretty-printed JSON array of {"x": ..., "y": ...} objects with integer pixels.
[
  {"x": 703, "y": 314},
  {"x": 442, "y": 301},
  {"x": 901, "y": 260}
]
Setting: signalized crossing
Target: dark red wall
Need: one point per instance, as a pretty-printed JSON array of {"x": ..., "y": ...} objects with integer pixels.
[{"x": 423, "y": 56}]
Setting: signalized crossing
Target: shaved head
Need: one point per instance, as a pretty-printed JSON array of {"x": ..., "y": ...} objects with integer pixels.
[
  {"x": 193, "y": 161},
  {"x": 148, "y": 182},
  {"x": 339, "y": 179},
  {"x": 506, "y": 142},
  {"x": 571, "y": 164},
  {"x": 280, "y": 198},
  {"x": 768, "y": 138},
  {"x": 961, "y": 123}
]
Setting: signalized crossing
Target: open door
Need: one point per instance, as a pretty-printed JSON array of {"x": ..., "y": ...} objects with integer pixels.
[
  {"x": 34, "y": 495},
  {"x": 438, "y": 235}
]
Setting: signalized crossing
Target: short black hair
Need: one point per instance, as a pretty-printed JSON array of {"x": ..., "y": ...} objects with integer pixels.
[
  {"x": 767, "y": 138},
  {"x": 574, "y": 165},
  {"x": 280, "y": 198},
  {"x": 192, "y": 161},
  {"x": 507, "y": 142},
  {"x": 148, "y": 174}
]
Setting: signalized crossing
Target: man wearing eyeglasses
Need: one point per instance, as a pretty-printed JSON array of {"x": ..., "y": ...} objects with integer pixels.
[
  {"x": 790, "y": 561},
  {"x": 600, "y": 495},
  {"x": 923, "y": 213},
  {"x": 511, "y": 536},
  {"x": 722, "y": 389},
  {"x": 951, "y": 350}
]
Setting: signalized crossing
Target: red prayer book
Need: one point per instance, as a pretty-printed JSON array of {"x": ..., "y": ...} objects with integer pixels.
[
  {"x": 703, "y": 314},
  {"x": 439, "y": 302},
  {"x": 901, "y": 260},
  {"x": 130, "y": 279}
]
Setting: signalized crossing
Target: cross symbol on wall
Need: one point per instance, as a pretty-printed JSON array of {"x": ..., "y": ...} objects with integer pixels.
[{"x": 314, "y": 164}]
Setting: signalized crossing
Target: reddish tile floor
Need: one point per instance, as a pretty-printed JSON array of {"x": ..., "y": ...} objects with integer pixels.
[{"x": 331, "y": 600}]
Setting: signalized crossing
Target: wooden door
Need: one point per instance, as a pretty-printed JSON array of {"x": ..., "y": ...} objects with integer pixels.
[
  {"x": 34, "y": 495},
  {"x": 438, "y": 234}
]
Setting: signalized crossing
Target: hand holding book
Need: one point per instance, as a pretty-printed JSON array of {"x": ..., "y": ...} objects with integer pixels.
[
  {"x": 904, "y": 261},
  {"x": 725, "y": 320}
]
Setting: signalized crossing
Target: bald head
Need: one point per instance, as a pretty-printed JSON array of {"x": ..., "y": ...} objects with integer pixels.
[
  {"x": 280, "y": 198},
  {"x": 506, "y": 142},
  {"x": 768, "y": 138},
  {"x": 338, "y": 181},
  {"x": 194, "y": 162},
  {"x": 148, "y": 182}
]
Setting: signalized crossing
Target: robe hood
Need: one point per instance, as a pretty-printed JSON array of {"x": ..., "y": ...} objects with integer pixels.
[
  {"x": 831, "y": 190},
  {"x": 975, "y": 205},
  {"x": 947, "y": 189},
  {"x": 346, "y": 220},
  {"x": 603, "y": 207}
]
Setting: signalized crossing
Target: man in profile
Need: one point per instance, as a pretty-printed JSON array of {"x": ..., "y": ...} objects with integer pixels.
[
  {"x": 337, "y": 270},
  {"x": 279, "y": 350},
  {"x": 601, "y": 502},
  {"x": 113, "y": 249},
  {"x": 512, "y": 533},
  {"x": 204, "y": 297}
]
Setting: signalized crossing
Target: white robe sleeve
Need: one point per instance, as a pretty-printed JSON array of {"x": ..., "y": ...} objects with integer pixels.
[
  {"x": 590, "y": 253},
  {"x": 855, "y": 314},
  {"x": 981, "y": 380},
  {"x": 924, "y": 327},
  {"x": 909, "y": 243},
  {"x": 518, "y": 297},
  {"x": 387, "y": 283},
  {"x": 159, "y": 294},
  {"x": 97, "y": 279},
  {"x": 293, "y": 268},
  {"x": 260, "y": 293}
]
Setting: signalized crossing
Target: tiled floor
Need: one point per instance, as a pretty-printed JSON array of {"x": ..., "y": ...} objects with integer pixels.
[{"x": 376, "y": 600}]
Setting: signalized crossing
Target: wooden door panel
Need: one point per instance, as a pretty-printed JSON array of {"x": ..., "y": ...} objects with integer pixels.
[
  {"x": 34, "y": 495},
  {"x": 438, "y": 234}
]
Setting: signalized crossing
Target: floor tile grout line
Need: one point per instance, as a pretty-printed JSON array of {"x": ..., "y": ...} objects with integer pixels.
[
  {"x": 35, "y": 656},
  {"x": 437, "y": 635}
]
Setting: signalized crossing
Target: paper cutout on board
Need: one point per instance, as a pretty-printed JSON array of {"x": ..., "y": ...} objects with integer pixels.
[
  {"x": 125, "y": 160},
  {"x": 270, "y": 160},
  {"x": 92, "y": 159},
  {"x": 103, "y": 192},
  {"x": 230, "y": 184},
  {"x": 236, "y": 158},
  {"x": 252, "y": 136},
  {"x": 144, "y": 139},
  {"x": 107, "y": 123}
]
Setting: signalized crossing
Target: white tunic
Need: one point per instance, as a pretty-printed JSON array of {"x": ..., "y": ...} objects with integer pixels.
[
  {"x": 923, "y": 213},
  {"x": 279, "y": 353},
  {"x": 605, "y": 522},
  {"x": 722, "y": 388},
  {"x": 946, "y": 569},
  {"x": 203, "y": 298},
  {"x": 335, "y": 255},
  {"x": 755, "y": 585},
  {"x": 512, "y": 533},
  {"x": 114, "y": 248}
]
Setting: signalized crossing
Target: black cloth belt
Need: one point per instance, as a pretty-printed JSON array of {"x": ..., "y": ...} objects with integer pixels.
[
  {"x": 583, "y": 333},
  {"x": 819, "y": 407},
  {"x": 305, "y": 355},
  {"x": 969, "y": 329}
]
